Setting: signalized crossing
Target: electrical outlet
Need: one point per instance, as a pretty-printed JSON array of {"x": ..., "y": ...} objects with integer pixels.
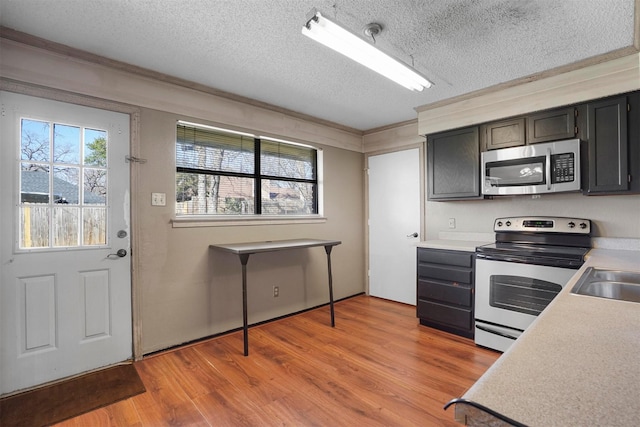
[
  {"x": 452, "y": 223},
  {"x": 158, "y": 199},
  {"x": 276, "y": 291}
]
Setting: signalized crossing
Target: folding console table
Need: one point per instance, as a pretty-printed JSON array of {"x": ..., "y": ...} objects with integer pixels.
[{"x": 243, "y": 250}]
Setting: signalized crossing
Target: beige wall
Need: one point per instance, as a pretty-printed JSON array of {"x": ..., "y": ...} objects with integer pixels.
[
  {"x": 612, "y": 216},
  {"x": 534, "y": 93},
  {"x": 189, "y": 292},
  {"x": 182, "y": 290}
]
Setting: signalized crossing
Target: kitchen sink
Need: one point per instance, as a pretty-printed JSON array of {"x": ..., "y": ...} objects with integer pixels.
[{"x": 612, "y": 284}]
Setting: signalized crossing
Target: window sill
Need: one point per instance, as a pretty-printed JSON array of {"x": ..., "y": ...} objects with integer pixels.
[{"x": 230, "y": 221}]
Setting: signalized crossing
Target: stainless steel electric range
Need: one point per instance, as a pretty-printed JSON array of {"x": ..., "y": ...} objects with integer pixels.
[{"x": 530, "y": 262}]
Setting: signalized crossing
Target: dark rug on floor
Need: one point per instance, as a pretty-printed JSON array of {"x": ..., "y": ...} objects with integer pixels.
[{"x": 67, "y": 399}]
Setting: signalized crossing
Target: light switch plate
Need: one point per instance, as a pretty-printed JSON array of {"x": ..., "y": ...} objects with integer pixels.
[{"x": 158, "y": 199}]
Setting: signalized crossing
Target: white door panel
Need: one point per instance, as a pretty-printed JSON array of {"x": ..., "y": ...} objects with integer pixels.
[
  {"x": 65, "y": 299},
  {"x": 394, "y": 217}
]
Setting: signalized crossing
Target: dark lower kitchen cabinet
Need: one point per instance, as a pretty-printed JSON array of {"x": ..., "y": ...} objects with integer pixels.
[
  {"x": 503, "y": 134},
  {"x": 445, "y": 290},
  {"x": 453, "y": 165},
  {"x": 613, "y": 136},
  {"x": 551, "y": 125}
]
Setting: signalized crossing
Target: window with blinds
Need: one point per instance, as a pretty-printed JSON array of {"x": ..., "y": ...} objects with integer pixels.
[{"x": 220, "y": 172}]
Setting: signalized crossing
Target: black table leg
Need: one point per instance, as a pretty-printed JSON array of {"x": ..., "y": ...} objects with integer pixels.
[
  {"x": 244, "y": 258},
  {"x": 328, "y": 251}
]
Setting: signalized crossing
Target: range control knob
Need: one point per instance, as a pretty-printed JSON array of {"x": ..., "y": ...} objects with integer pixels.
[
  {"x": 571, "y": 224},
  {"x": 583, "y": 225},
  {"x": 499, "y": 223},
  {"x": 508, "y": 223}
]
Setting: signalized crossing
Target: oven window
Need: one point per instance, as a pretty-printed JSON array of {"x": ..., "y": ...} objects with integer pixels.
[
  {"x": 521, "y": 294},
  {"x": 529, "y": 171}
]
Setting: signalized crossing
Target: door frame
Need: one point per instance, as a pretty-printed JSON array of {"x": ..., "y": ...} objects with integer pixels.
[
  {"x": 134, "y": 148},
  {"x": 421, "y": 153}
]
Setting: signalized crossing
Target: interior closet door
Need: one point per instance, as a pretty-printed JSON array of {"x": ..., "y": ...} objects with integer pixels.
[{"x": 394, "y": 224}]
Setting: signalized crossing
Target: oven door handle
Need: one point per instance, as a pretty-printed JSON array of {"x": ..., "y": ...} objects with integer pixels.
[{"x": 491, "y": 331}]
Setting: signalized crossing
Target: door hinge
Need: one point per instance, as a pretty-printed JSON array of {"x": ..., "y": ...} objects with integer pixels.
[
  {"x": 575, "y": 112},
  {"x": 575, "y": 130},
  {"x": 629, "y": 178},
  {"x": 628, "y": 107}
]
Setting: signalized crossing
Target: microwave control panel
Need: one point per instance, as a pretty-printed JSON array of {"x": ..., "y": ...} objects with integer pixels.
[{"x": 563, "y": 166}]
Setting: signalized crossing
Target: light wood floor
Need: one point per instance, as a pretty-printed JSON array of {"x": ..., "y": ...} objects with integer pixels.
[{"x": 377, "y": 367}]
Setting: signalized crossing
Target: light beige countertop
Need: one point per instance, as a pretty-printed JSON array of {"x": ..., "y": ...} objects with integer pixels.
[
  {"x": 578, "y": 364},
  {"x": 458, "y": 241},
  {"x": 452, "y": 245}
]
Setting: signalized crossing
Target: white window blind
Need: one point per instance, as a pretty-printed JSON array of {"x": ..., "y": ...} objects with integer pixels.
[{"x": 227, "y": 173}]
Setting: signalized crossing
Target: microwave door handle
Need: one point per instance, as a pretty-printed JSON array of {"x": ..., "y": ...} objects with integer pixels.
[{"x": 548, "y": 169}]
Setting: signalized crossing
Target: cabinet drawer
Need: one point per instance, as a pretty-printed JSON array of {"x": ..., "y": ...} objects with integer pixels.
[
  {"x": 446, "y": 273},
  {"x": 450, "y": 316},
  {"x": 440, "y": 256},
  {"x": 444, "y": 292}
]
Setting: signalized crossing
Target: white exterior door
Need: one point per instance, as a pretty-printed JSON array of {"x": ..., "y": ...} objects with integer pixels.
[
  {"x": 65, "y": 299},
  {"x": 394, "y": 217}
]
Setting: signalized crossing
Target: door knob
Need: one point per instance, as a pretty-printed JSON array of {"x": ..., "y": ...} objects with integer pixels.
[
  {"x": 121, "y": 253},
  {"x": 412, "y": 235}
]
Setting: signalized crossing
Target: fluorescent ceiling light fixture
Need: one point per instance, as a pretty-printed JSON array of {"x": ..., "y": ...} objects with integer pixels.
[{"x": 337, "y": 38}]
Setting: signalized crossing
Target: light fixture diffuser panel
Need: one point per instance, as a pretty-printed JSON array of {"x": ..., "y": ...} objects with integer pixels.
[{"x": 342, "y": 41}]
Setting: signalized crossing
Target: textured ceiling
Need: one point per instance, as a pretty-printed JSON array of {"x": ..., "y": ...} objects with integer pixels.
[{"x": 254, "y": 48}]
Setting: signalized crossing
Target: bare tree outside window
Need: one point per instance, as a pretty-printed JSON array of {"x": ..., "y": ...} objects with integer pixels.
[
  {"x": 56, "y": 184},
  {"x": 216, "y": 174}
]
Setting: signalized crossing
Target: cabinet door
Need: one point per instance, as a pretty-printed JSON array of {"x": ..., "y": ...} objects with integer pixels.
[
  {"x": 551, "y": 126},
  {"x": 453, "y": 165},
  {"x": 633, "y": 118},
  {"x": 507, "y": 133},
  {"x": 608, "y": 146}
]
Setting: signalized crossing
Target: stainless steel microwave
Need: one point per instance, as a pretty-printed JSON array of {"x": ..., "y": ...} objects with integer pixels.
[{"x": 532, "y": 169}]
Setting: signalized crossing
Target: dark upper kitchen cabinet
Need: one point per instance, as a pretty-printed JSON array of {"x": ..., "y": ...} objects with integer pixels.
[
  {"x": 633, "y": 122},
  {"x": 545, "y": 126},
  {"x": 453, "y": 165},
  {"x": 502, "y": 134},
  {"x": 608, "y": 145},
  {"x": 551, "y": 125}
]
